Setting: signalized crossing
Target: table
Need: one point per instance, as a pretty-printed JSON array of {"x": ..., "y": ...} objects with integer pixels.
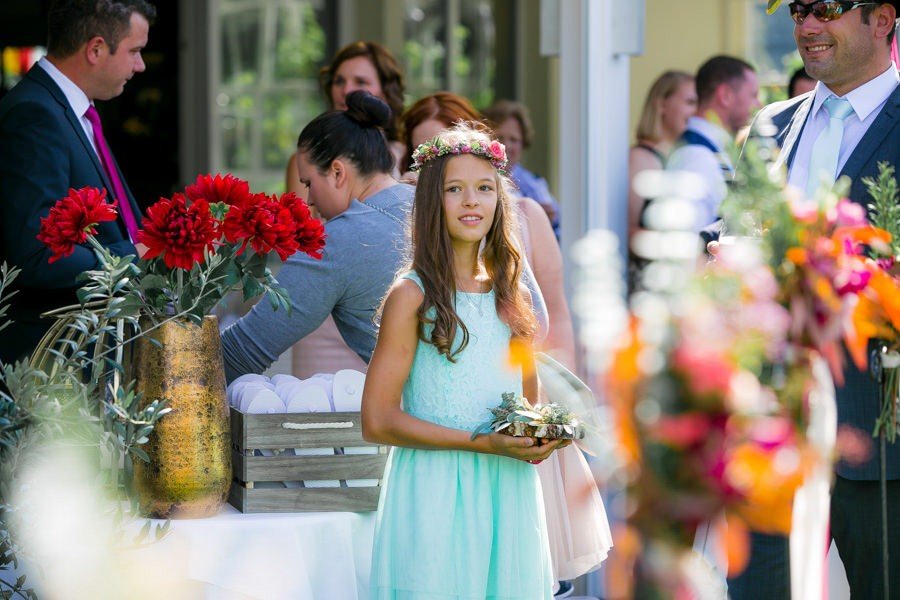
[{"x": 272, "y": 556}]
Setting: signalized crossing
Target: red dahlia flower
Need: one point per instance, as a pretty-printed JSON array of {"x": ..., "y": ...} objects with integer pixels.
[
  {"x": 253, "y": 222},
  {"x": 309, "y": 233},
  {"x": 178, "y": 232},
  {"x": 228, "y": 189},
  {"x": 73, "y": 218},
  {"x": 269, "y": 224}
]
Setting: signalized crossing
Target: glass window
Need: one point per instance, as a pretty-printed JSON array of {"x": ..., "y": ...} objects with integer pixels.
[
  {"x": 267, "y": 90},
  {"x": 774, "y": 53},
  {"x": 451, "y": 45}
]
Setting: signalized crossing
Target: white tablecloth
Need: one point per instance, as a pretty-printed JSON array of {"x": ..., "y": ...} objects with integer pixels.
[{"x": 301, "y": 556}]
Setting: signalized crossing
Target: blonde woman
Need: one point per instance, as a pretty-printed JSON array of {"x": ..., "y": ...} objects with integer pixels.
[{"x": 671, "y": 101}]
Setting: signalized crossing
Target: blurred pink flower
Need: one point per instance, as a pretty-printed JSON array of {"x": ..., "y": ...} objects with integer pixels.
[
  {"x": 851, "y": 281},
  {"x": 805, "y": 211},
  {"x": 683, "y": 430},
  {"x": 706, "y": 371},
  {"x": 772, "y": 432},
  {"x": 848, "y": 214}
]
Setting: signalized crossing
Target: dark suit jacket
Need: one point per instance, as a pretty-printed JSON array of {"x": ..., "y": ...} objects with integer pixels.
[
  {"x": 43, "y": 152},
  {"x": 858, "y": 400}
]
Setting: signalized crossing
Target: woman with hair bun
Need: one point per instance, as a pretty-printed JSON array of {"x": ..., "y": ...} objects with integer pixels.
[
  {"x": 370, "y": 67},
  {"x": 344, "y": 161}
]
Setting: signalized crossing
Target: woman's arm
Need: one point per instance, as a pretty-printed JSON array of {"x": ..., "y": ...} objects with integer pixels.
[
  {"x": 383, "y": 420},
  {"x": 548, "y": 271},
  {"x": 639, "y": 159}
]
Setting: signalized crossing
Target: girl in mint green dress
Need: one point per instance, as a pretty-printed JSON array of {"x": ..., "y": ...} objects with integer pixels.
[{"x": 458, "y": 518}]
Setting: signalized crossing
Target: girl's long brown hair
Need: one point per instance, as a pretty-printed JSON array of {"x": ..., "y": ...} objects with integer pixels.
[{"x": 433, "y": 256}]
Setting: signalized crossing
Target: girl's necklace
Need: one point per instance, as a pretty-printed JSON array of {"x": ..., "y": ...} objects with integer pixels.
[{"x": 481, "y": 293}]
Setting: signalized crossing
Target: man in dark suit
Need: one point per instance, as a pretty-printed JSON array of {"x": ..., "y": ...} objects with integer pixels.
[
  {"x": 51, "y": 140},
  {"x": 846, "y": 47}
]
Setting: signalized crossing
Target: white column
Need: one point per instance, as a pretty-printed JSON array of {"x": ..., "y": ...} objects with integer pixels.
[{"x": 595, "y": 41}]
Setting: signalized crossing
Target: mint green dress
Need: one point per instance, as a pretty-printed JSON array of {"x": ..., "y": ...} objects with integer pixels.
[{"x": 454, "y": 524}]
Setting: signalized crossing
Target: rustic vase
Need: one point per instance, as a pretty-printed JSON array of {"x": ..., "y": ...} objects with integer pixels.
[{"x": 189, "y": 472}]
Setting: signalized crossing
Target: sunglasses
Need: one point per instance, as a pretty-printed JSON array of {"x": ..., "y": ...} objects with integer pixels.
[{"x": 823, "y": 10}]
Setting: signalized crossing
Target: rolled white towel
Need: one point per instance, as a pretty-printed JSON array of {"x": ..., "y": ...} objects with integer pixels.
[
  {"x": 238, "y": 383},
  {"x": 306, "y": 399},
  {"x": 261, "y": 402},
  {"x": 238, "y": 392},
  {"x": 324, "y": 381},
  {"x": 283, "y": 382},
  {"x": 347, "y": 389}
]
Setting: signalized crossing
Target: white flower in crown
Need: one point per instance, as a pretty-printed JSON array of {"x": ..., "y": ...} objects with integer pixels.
[{"x": 439, "y": 146}]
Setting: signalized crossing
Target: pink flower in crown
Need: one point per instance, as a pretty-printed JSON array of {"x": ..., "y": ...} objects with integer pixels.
[
  {"x": 465, "y": 148},
  {"x": 497, "y": 150}
]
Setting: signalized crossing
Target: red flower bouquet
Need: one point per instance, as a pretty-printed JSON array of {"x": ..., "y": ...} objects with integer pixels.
[
  {"x": 210, "y": 240},
  {"x": 215, "y": 238}
]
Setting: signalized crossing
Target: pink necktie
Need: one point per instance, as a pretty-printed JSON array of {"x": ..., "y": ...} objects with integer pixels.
[{"x": 106, "y": 158}]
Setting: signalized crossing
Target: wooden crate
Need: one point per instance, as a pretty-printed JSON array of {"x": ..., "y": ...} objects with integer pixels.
[{"x": 251, "y": 432}]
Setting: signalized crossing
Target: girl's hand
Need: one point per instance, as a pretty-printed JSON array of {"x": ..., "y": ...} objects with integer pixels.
[{"x": 529, "y": 449}]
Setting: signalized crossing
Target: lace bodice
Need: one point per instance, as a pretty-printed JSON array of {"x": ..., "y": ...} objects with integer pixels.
[{"x": 461, "y": 394}]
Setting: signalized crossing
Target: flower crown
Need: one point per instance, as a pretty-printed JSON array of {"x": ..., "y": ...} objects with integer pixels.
[{"x": 439, "y": 146}]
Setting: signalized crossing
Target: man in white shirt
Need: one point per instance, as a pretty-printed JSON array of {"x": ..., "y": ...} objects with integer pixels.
[
  {"x": 727, "y": 93},
  {"x": 845, "y": 45},
  {"x": 51, "y": 140}
]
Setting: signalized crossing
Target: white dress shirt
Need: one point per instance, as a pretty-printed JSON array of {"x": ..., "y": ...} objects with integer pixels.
[
  {"x": 78, "y": 100},
  {"x": 867, "y": 101},
  {"x": 707, "y": 164}
]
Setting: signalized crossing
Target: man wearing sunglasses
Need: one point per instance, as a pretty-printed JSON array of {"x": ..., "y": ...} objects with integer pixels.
[{"x": 853, "y": 116}]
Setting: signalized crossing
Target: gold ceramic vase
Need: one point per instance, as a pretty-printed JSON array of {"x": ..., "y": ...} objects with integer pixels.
[{"x": 189, "y": 472}]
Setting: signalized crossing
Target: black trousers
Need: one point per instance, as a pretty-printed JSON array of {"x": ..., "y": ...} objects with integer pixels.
[{"x": 856, "y": 529}]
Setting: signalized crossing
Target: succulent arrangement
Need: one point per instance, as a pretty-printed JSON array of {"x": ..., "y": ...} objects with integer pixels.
[{"x": 516, "y": 416}]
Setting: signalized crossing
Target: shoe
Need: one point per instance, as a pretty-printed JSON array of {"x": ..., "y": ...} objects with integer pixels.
[{"x": 566, "y": 589}]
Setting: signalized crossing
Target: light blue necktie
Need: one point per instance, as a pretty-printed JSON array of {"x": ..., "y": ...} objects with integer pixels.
[{"x": 823, "y": 161}]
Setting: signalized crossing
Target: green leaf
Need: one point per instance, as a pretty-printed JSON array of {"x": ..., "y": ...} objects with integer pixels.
[
  {"x": 251, "y": 287},
  {"x": 139, "y": 452},
  {"x": 145, "y": 530},
  {"x": 232, "y": 275}
]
